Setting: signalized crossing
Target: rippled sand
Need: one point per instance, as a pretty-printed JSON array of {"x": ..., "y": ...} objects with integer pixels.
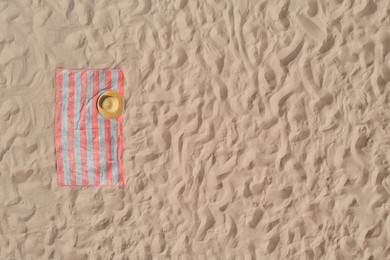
[{"x": 253, "y": 129}]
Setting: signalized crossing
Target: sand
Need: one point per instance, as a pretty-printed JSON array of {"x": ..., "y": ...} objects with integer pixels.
[{"x": 253, "y": 129}]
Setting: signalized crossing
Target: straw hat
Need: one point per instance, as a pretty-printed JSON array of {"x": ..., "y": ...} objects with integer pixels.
[{"x": 110, "y": 104}]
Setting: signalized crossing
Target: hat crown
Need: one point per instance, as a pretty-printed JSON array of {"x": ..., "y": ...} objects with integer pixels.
[{"x": 110, "y": 104}]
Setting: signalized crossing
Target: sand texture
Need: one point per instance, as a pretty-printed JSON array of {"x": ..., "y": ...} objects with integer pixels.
[{"x": 252, "y": 129}]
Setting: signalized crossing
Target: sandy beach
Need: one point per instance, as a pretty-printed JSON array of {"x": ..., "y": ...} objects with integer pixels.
[{"x": 252, "y": 129}]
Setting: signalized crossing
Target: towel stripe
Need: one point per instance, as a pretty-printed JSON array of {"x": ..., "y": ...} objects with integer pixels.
[
  {"x": 107, "y": 134},
  {"x": 114, "y": 148},
  {"x": 91, "y": 176},
  {"x": 76, "y": 130},
  {"x": 95, "y": 128},
  {"x": 64, "y": 128},
  {"x": 120, "y": 132},
  {"x": 83, "y": 130},
  {"x": 89, "y": 147},
  {"x": 102, "y": 148},
  {"x": 71, "y": 128}
]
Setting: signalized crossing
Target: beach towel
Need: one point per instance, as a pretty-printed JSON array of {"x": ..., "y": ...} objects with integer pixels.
[{"x": 88, "y": 146}]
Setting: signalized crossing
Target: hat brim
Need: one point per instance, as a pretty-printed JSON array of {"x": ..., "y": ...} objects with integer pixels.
[{"x": 117, "y": 111}]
